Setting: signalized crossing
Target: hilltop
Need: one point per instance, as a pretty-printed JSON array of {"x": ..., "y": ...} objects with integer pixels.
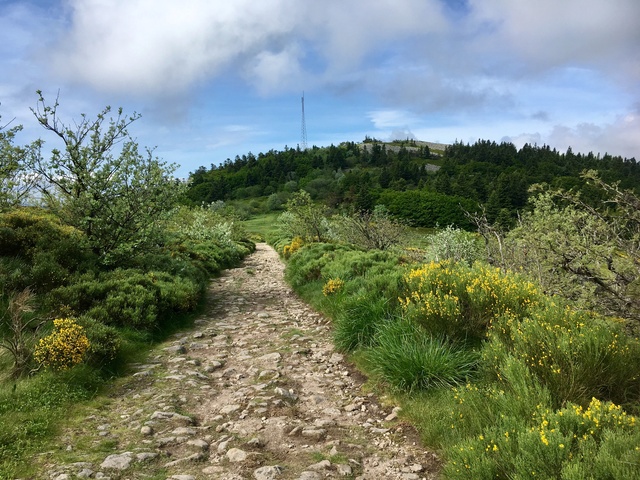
[{"x": 406, "y": 174}]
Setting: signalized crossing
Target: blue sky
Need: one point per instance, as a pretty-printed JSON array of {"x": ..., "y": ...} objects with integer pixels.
[{"x": 218, "y": 78}]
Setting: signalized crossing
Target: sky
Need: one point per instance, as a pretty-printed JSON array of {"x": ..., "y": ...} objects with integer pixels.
[{"x": 213, "y": 79}]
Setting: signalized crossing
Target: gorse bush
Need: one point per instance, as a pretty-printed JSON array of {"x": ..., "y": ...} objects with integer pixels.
[
  {"x": 63, "y": 348},
  {"x": 332, "y": 286},
  {"x": 293, "y": 247},
  {"x": 453, "y": 299},
  {"x": 576, "y": 355},
  {"x": 104, "y": 342},
  {"x": 128, "y": 298},
  {"x": 540, "y": 389},
  {"x": 37, "y": 250},
  {"x": 599, "y": 441}
]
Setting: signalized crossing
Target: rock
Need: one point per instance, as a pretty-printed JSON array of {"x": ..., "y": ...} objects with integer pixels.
[
  {"x": 198, "y": 443},
  {"x": 236, "y": 455},
  {"x": 267, "y": 473},
  {"x": 196, "y": 457},
  {"x": 62, "y": 476},
  {"x": 344, "y": 470},
  {"x": 321, "y": 465},
  {"x": 310, "y": 476},
  {"x": 336, "y": 358},
  {"x": 274, "y": 357},
  {"x": 287, "y": 394},
  {"x": 144, "y": 456},
  {"x": 227, "y": 409},
  {"x": 182, "y": 477},
  {"x": 120, "y": 461},
  {"x": 176, "y": 349},
  {"x": 256, "y": 442},
  {"x": 314, "y": 433},
  {"x": 223, "y": 446}
]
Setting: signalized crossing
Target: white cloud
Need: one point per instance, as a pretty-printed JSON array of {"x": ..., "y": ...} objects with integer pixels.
[
  {"x": 619, "y": 137},
  {"x": 549, "y": 33},
  {"x": 163, "y": 46}
]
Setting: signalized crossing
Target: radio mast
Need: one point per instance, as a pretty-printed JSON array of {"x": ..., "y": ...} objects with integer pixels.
[{"x": 303, "y": 128}]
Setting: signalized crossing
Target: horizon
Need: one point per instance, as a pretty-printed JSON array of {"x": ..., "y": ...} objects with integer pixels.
[{"x": 213, "y": 80}]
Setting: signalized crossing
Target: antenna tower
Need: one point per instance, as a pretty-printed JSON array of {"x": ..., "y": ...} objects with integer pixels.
[{"x": 303, "y": 129}]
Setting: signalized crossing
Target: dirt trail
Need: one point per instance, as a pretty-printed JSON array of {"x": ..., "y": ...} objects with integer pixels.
[{"x": 254, "y": 391}]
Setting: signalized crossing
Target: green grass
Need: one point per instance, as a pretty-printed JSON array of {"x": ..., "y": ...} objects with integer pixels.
[
  {"x": 263, "y": 225},
  {"x": 409, "y": 359}
]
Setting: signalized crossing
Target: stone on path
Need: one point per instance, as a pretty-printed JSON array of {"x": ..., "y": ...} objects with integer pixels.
[
  {"x": 119, "y": 461},
  {"x": 236, "y": 455},
  {"x": 267, "y": 473}
]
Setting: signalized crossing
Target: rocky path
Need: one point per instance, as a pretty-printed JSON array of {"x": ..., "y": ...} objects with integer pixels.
[{"x": 255, "y": 391}]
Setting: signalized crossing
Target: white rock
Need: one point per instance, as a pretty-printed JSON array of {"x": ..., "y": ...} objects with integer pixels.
[
  {"x": 267, "y": 473},
  {"x": 236, "y": 455},
  {"x": 120, "y": 461}
]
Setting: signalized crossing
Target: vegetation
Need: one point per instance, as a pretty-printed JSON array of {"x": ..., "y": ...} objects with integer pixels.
[
  {"x": 103, "y": 261},
  {"x": 510, "y": 375},
  {"x": 422, "y": 187},
  {"x": 506, "y": 379}
]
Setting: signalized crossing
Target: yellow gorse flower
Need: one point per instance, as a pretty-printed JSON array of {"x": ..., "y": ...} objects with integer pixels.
[
  {"x": 63, "y": 348},
  {"x": 332, "y": 286}
]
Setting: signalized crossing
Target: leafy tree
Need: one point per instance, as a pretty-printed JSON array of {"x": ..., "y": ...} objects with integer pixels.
[
  {"x": 116, "y": 197},
  {"x": 588, "y": 252},
  {"x": 304, "y": 218},
  {"x": 15, "y": 182},
  {"x": 375, "y": 229}
]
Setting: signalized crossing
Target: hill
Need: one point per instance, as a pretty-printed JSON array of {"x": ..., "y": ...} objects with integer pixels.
[{"x": 410, "y": 177}]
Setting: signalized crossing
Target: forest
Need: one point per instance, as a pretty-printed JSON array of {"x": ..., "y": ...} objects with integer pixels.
[{"x": 402, "y": 174}]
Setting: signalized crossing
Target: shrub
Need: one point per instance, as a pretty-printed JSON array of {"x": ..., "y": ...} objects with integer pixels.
[
  {"x": 63, "y": 348},
  {"x": 104, "y": 342},
  {"x": 576, "y": 355},
  {"x": 408, "y": 358},
  {"x": 41, "y": 252},
  {"x": 456, "y": 245},
  {"x": 359, "y": 319},
  {"x": 332, "y": 286},
  {"x": 459, "y": 301},
  {"x": 369, "y": 230},
  {"x": 18, "y": 327},
  {"x": 292, "y": 248},
  {"x": 599, "y": 441}
]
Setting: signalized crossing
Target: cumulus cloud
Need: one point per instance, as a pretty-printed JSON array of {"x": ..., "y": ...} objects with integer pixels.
[
  {"x": 619, "y": 137},
  {"x": 550, "y": 33},
  {"x": 157, "y": 46}
]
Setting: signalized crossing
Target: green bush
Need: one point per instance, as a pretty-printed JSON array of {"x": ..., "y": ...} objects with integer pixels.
[
  {"x": 576, "y": 355},
  {"x": 104, "y": 343},
  {"x": 407, "y": 358},
  {"x": 597, "y": 442},
  {"x": 39, "y": 251},
  {"x": 358, "y": 321},
  {"x": 460, "y": 302},
  {"x": 429, "y": 209}
]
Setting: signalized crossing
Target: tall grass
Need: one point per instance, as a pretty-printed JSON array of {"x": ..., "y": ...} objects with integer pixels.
[{"x": 407, "y": 358}]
